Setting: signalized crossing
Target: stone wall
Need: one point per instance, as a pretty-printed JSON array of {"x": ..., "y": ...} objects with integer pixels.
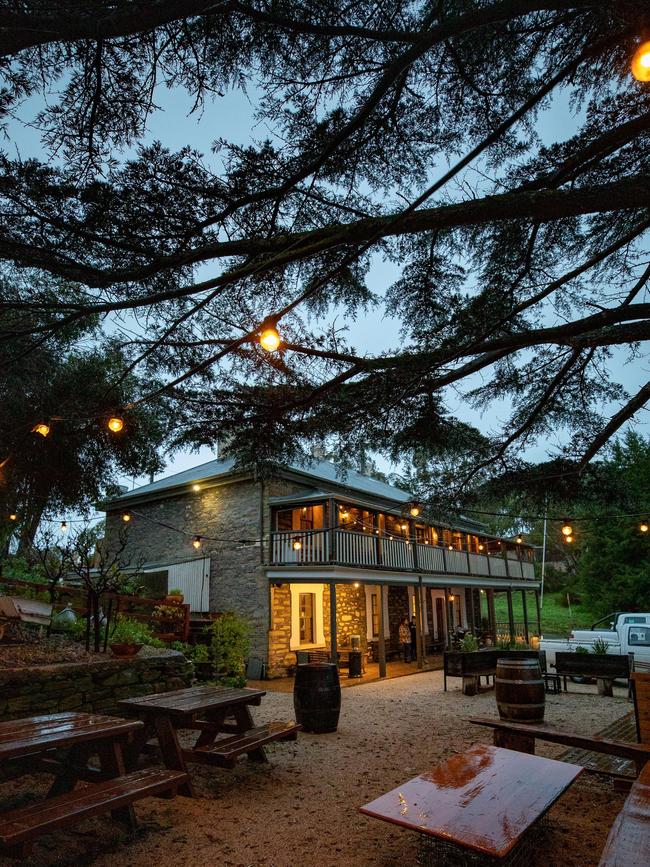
[{"x": 97, "y": 686}]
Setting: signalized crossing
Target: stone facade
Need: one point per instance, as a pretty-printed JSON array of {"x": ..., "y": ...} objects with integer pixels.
[
  {"x": 97, "y": 686},
  {"x": 237, "y": 514}
]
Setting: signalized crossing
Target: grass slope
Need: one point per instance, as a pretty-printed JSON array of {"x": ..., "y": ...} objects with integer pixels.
[{"x": 556, "y": 619}]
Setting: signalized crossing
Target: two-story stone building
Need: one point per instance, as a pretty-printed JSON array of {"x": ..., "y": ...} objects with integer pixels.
[{"x": 315, "y": 555}]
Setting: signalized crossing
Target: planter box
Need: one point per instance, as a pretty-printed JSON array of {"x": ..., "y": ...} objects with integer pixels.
[{"x": 483, "y": 663}]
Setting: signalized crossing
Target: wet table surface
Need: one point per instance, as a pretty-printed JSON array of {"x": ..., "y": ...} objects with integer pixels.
[{"x": 483, "y": 799}]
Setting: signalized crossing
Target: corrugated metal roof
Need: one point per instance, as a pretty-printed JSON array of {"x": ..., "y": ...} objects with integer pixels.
[{"x": 317, "y": 469}]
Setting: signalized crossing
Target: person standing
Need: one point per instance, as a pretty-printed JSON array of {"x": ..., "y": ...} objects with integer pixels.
[
  {"x": 414, "y": 647},
  {"x": 405, "y": 638}
]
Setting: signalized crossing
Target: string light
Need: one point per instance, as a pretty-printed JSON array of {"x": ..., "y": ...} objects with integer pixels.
[
  {"x": 481, "y": 547},
  {"x": 41, "y": 428},
  {"x": 196, "y": 542},
  {"x": 296, "y": 544},
  {"x": 643, "y": 527},
  {"x": 641, "y": 62},
  {"x": 126, "y": 517},
  {"x": 519, "y": 539},
  {"x": 115, "y": 424},
  {"x": 414, "y": 511},
  {"x": 270, "y": 339},
  {"x": 568, "y": 539},
  {"x": 356, "y": 585},
  {"x": 13, "y": 516},
  {"x": 567, "y": 529},
  {"x": 196, "y": 487},
  {"x": 64, "y": 526}
]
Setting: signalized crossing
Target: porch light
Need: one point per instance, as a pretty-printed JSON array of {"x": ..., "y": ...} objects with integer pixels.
[
  {"x": 196, "y": 487},
  {"x": 41, "y": 428},
  {"x": 115, "y": 424},
  {"x": 356, "y": 585},
  {"x": 567, "y": 529},
  {"x": 451, "y": 597},
  {"x": 641, "y": 62},
  {"x": 13, "y": 517},
  {"x": 519, "y": 539},
  {"x": 643, "y": 527},
  {"x": 414, "y": 511},
  {"x": 296, "y": 544},
  {"x": 126, "y": 517},
  {"x": 404, "y": 526},
  {"x": 196, "y": 542},
  {"x": 270, "y": 339}
]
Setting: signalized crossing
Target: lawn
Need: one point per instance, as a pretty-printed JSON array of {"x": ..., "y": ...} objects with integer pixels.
[{"x": 556, "y": 619}]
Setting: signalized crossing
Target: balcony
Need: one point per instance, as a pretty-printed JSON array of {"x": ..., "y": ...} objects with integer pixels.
[{"x": 346, "y": 548}]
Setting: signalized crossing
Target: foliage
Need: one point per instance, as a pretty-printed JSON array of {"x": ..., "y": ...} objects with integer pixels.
[
  {"x": 230, "y": 647},
  {"x": 581, "y": 649},
  {"x": 468, "y": 643},
  {"x": 200, "y": 653},
  {"x": 506, "y": 644},
  {"x": 169, "y": 612},
  {"x": 175, "y": 592},
  {"x": 123, "y": 630},
  {"x": 600, "y": 646},
  {"x": 498, "y": 257}
]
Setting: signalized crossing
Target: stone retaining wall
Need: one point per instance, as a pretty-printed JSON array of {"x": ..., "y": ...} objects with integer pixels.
[{"x": 97, "y": 686}]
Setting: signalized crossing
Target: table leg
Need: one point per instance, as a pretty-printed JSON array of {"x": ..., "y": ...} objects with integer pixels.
[
  {"x": 68, "y": 777},
  {"x": 208, "y": 736},
  {"x": 244, "y": 719},
  {"x": 111, "y": 761},
  {"x": 171, "y": 750},
  {"x": 136, "y": 745}
]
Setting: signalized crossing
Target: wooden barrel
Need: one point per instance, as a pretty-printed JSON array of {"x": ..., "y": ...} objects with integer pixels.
[
  {"x": 519, "y": 690},
  {"x": 317, "y": 697}
]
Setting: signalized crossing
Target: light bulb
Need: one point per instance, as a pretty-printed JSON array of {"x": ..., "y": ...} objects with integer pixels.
[
  {"x": 270, "y": 339},
  {"x": 356, "y": 585},
  {"x": 126, "y": 517},
  {"x": 297, "y": 544},
  {"x": 643, "y": 527},
  {"x": 196, "y": 487},
  {"x": 414, "y": 511},
  {"x": 196, "y": 541},
  {"x": 519, "y": 540},
  {"x": 41, "y": 428},
  {"x": 115, "y": 424},
  {"x": 13, "y": 517},
  {"x": 567, "y": 529},
  {"x": 64, "y": 526},
  {"x": 641, "y": 62}
]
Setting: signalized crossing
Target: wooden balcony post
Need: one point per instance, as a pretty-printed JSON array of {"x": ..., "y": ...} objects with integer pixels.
[
  {"x": 332, "y": 529},
  {"x": 334, "y": 654},
  {"x": 492, "y": 618},
  {"x": 511, "y": 617},
  {"x": 382, "y": 639},
  {"x": 525, "y": 610},
  {"x": 418, "y": 623},
  {"x": 414, "y": 544}
]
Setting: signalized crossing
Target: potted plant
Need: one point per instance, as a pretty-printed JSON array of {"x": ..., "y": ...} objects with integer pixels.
[
  {"x": 203, "y": 665},
  {"x": 127, "y": 637},
  {"x": 469, "y": 644},
  {"x": 174, "y": 596}
]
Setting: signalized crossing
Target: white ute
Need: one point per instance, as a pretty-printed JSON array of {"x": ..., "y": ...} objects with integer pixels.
[{"x": 629, "y": 632}]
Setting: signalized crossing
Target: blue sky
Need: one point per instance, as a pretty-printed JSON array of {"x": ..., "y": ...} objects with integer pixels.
[{"x": 233, "y": 117}]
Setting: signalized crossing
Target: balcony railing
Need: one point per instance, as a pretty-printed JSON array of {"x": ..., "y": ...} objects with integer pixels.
[{"x": 346, "y": 548}]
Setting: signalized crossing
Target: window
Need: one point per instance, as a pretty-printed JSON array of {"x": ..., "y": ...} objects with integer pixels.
[
  {"x": 374, "y": 604},
  {"x": 300, "y": 518},
  {"x": 640, "y": 636},
  {"x": 634, "y": 620},
  {"x": 306, "y": 608}
]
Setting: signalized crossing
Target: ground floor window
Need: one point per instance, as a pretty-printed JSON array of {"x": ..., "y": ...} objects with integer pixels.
[
  {"x": 306, "y": 607},
  {"x": 306, "y": 616}
]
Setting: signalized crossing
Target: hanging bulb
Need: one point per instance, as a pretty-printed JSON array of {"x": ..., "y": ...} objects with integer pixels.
[
  {"x": 356, "y": 585},
  {"x": 270, "y": 339},
  {"x": 297, "y": 544},
  {"x": 567, "y": 529},
  {"x": 641, "y": 62},
  {"x": 64, "y": 526},
  {"x": 481, "y": 547},
  {"x": 568, "y": 539},
  {"x": 126, "y": 517},
  {"x": 196, "y": 541},
  {"x": 41, "y": 428},
  {"x": 414, "y": 511},
  {"x": 13, "y": 516},
  {"x": 643, "y": 527},
  {"x": 115, "y": 424},
  {"x": 519, "y": 539},
  {"x": 196, "y": 487}
]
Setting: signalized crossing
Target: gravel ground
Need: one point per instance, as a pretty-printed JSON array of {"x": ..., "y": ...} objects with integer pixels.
[
  {"x": 301, "y": 809},
  {"x": 44, "y": 651}
]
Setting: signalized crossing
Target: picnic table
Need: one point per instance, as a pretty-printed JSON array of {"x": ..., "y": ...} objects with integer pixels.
[
  {"x": 61, "y": 744},
  {"x": 482, "y": 801},
  {"x": 212, "y": 711}
]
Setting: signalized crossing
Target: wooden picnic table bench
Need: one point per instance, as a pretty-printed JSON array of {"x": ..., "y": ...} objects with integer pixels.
[
  {"x": 628, "y": 843},
  {"x": 522, "y": 737},
  {"x": 481, "y": 802},
  {"x": 35, "y": 744},
  {"x": 206, "y": 709}
]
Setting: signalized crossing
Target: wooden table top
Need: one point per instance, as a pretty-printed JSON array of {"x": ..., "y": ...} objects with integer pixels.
[
  {"x": 29, "y": 736},
  {"x": 483, "y": 799},
  {"x": 184, "y": 702}
]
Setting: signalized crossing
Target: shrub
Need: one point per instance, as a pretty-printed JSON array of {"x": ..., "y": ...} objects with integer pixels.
[
  {"x": 230, "y": 647},
  {"x": 174, "y": 592},
  {"x": 581, "y": 649},
  {"x": 600, "y": 646},
  {"x": 126, "y": 631},
  {"x": 200, "y": 653},
  {"x": 468, "y": 644}
]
